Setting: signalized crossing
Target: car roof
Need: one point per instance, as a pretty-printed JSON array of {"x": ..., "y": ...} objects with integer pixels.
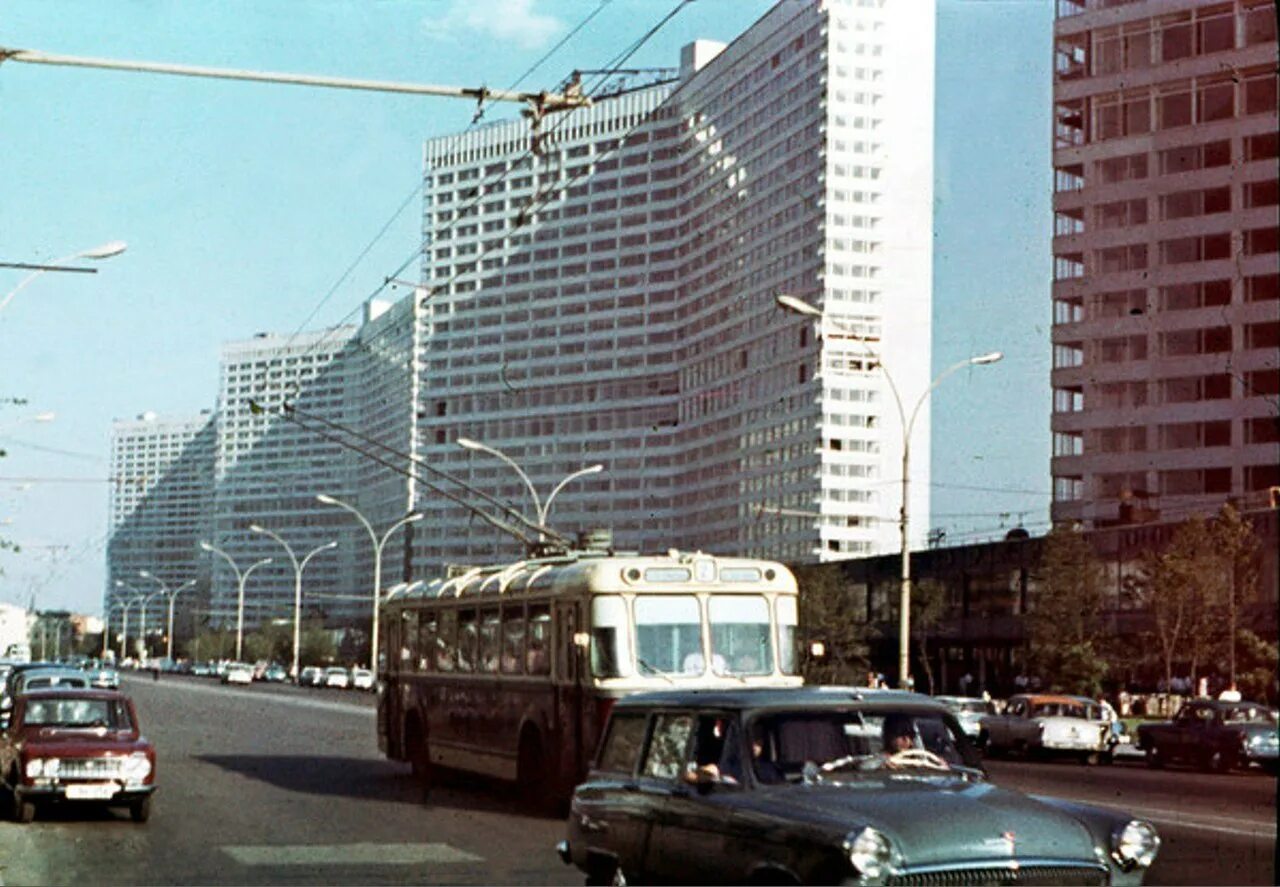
[
  {"x": 1059, "y": 698},
  {"x": 775, "y": 697},
  {"x": 78, "y": 692}
]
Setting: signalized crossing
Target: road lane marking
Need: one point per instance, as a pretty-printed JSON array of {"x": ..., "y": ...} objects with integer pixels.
[
  {"x": 349, "y": 854},
  {"x": 1200, "y": 821}
]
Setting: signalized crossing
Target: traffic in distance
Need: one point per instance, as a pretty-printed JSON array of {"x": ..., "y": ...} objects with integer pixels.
[{"x": 657, "y": 700}]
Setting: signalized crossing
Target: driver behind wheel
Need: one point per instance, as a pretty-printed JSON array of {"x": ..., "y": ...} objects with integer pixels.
[{"x": 897, "y": 734}]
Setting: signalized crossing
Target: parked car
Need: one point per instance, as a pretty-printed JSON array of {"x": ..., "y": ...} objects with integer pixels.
[
  {"x": 1046, "y": 725},
  {"x": 238, "y": 673},
  {"x": 361, "y": 679},
  {"x": 969, "y": 711},
  {"x": 102, "y": 676},
  {"x": 824, "y": 785},
  {"x": 1214, "y": 735},
  {"x": 74, "y": 745},
  {"x": 275, "y": 674},
  {"x": 311, "y": 676},
  {"x": 35, "y": 676},
  {"x": 336, "y": 676}
]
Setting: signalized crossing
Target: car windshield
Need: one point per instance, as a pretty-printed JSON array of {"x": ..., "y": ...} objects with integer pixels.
[
  {"x": 77, "y": 713},
  {"x": 794, "y": 745},
  {"x": 1059, "y": 709}
]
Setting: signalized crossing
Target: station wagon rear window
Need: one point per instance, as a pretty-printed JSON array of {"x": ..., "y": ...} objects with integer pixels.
[{"x": 622, "y": 746}]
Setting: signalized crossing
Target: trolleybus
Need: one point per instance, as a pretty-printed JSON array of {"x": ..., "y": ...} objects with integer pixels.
[{"x": 510, "y": 671}]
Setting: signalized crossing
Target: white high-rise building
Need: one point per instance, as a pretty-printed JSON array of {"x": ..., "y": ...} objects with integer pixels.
[
  {"x": 269, "y": 468},
  {"x": 161, "y": 486},
  {"x": 610, "y": 297}
]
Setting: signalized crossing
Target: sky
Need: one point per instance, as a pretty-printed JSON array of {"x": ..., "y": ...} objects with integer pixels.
[{"x": 250, "y": 207}]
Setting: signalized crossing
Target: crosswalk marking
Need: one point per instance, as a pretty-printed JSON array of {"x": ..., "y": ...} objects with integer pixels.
[{"x": 349, "y": 854}]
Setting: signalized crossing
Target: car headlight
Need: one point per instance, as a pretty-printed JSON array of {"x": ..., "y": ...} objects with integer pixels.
[
  {"x": 35, "y": 768},
  {"x": 1135, "y": 844},
  {"x": 870, "y": 853},
  {"x": 136, "y": 767}
]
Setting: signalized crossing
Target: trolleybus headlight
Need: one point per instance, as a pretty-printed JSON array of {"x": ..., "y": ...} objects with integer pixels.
[{"x": 1135, "y": 844}]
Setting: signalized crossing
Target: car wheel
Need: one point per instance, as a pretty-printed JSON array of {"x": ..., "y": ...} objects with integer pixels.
[
  {"x": 1154, "y": 759},
  {"x": 606, "y": 875},
  {"x": 140, "y": 810},
  {"x": 534, "y": 780}
]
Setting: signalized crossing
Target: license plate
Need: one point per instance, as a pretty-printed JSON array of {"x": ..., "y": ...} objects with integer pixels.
[{"x": 94, "y": 792}]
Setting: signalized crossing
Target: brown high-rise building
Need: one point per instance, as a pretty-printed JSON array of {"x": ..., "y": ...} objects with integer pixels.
[{"x": 1165, "y": 311}]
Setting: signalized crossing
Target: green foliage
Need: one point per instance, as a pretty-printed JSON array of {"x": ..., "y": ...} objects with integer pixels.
[
  {"x": 1067, "y": 640},
  {"x": 1195, "y": 589},
  {"x": 825, "y": 618},
  {"x": 1257, "y": 668},
  {"x": 211, "y": 645}
]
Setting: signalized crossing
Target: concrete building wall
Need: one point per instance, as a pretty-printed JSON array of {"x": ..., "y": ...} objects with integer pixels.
[{"x": 1165, "y": 288}]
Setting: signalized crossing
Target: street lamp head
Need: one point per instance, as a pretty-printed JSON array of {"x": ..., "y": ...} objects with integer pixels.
[
  {"x": 206, "y": 546},
  {"x": 326, "y": 499},
  {"x": 982, "y": 359},
  {"x": 44, "y": 417},
  {"x": 329, "y": 545},
  {"x": 798, "y": 306},
  {"x": 145, "y": 574},
  {"x": 105, "y": 251},
  {"x": 257, "y": 528},
  {"x": 593, "y": 469},
  {"x": 468, "y": 443},
  {"x": 414, "y": 518}
]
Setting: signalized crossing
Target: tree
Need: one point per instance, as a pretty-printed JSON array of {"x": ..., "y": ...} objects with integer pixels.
[
  {"x": 1065, "y": 629},
  {"x": 1194, "y": 588},
  {"x": 825, "y": 618},
  {"x": 928, "y": 606},
  {"x": 1234, "y": 541}
]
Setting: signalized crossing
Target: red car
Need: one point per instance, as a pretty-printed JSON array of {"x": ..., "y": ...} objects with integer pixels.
[{"x": 76, "y": 746}]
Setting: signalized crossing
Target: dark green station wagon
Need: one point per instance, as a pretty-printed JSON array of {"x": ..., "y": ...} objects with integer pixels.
[{"x": 824, "y": 785}]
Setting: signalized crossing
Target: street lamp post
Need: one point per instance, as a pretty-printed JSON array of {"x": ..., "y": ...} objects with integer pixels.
[
  {"x": 146, "y": 602},
  {"x": 126, "y": 603},
  {"x": 106, "y": 251},
  {"x": 190, "y": 583},
  {"x": 539, "y": 508},
  {"x": 378, "y": 544},
  {"x": 241, "y": 579},
  {"x": 297, "y": 585},
  {"x": 798, "y": 306}
]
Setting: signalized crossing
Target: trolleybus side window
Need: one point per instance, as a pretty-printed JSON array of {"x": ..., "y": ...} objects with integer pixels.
[
  {"x": 788, "y": 626},
  {"x": 428, "y": 630},
  {"x": 409, "y": 637},
  {"x": 668, "y": 634},
  {"x": 445, "y": 652},
  {"x": 740, "y": 632},
  {"x": 490, "y": 628},
  {"x": 539, "y": 639},
  {"x": 467, "y": 640},
  {"x": 610, "y": 637},
  {"x": 513, "y": 639}
]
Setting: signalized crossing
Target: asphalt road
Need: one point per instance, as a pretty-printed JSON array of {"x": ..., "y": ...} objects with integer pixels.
[{"x": 279, "y": 785}]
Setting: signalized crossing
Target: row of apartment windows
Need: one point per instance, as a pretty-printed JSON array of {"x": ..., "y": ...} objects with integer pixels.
[
  {"x": 1174, "y": 251},
  {"x": 1150, "y": 42},
  {"x": 1176, "y": 205},
  {"x": 1174, "y": 297},
  {"x": 1170, "y": 161},
  {"x": 1141, "y": 111},
  {"x": 1176, "y": 482},
  {"x": 1175, "y": 390},
  {"x": 1174, "y": 343},
  {"x": 1167, "y": 436}
]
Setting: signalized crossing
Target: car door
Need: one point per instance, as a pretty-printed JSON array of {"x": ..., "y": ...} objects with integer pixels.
[
  {"x": 691, "y": 830},
  {"x": 665, "y": 759},
  {"x": 610, "y": 811}
]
